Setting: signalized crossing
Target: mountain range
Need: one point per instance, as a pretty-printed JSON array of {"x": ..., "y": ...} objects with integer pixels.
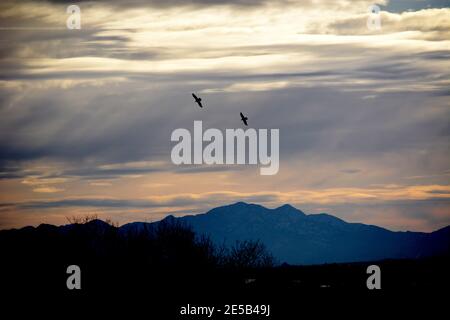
[{"x": 294, "y": 237}]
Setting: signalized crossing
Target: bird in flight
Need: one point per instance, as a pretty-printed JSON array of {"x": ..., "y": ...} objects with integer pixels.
[
  {"x": 244, "y": 119},
  {"x": 198, "y": 100}
]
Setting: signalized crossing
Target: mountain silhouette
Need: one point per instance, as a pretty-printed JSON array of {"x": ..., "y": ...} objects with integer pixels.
[
  {"x": 221, "y": 251},
  {"x": 297, "y": 238}
]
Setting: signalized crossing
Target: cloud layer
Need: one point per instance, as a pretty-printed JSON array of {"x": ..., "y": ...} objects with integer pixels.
[{"x": 86, "y": 115}]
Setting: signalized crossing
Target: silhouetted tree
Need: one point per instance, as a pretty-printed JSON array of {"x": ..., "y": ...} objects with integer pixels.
[
  {"x": 82, "y": 219},
  {"x": 249, "y": 254}
]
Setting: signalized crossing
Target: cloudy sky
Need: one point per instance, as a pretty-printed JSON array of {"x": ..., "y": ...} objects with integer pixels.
[{"x": 86, "y": 115}]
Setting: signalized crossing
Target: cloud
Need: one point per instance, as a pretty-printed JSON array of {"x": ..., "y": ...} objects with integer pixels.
[
  {"x": 434, "y": 24},
  {"x": 39, "y": 180},
  {"x": 333, "y": 196},
  {"x": 170, "y": 3},
  {"x": 47, "y": 190},
  {"x": 350, "y": 171},
  {"x": 413, "y": 5}
]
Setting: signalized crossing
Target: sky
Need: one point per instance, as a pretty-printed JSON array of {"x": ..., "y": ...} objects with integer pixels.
[{"x": 86, "y": 115}]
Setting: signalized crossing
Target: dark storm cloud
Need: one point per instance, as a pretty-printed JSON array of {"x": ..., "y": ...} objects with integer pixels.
[
  {"x": 110, "y": 128},
  {"x": 104, "y": 127}
]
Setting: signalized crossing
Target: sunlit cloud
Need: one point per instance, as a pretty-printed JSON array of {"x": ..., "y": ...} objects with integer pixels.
[{"x": 47, "y": 189}]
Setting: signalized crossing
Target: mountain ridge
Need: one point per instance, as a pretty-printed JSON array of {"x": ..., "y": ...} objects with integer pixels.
[
  {"x": 298, "y": 238},
  {"x": 294, "y": 237}
]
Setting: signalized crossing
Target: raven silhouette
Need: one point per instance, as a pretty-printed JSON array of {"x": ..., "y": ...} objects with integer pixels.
[
  {"x": 244, "y": 119},
  {"x": 198, "y": 100}
]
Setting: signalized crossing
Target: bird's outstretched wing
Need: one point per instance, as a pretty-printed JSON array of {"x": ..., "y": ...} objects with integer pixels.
[{"x": 195, "y": 97}]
